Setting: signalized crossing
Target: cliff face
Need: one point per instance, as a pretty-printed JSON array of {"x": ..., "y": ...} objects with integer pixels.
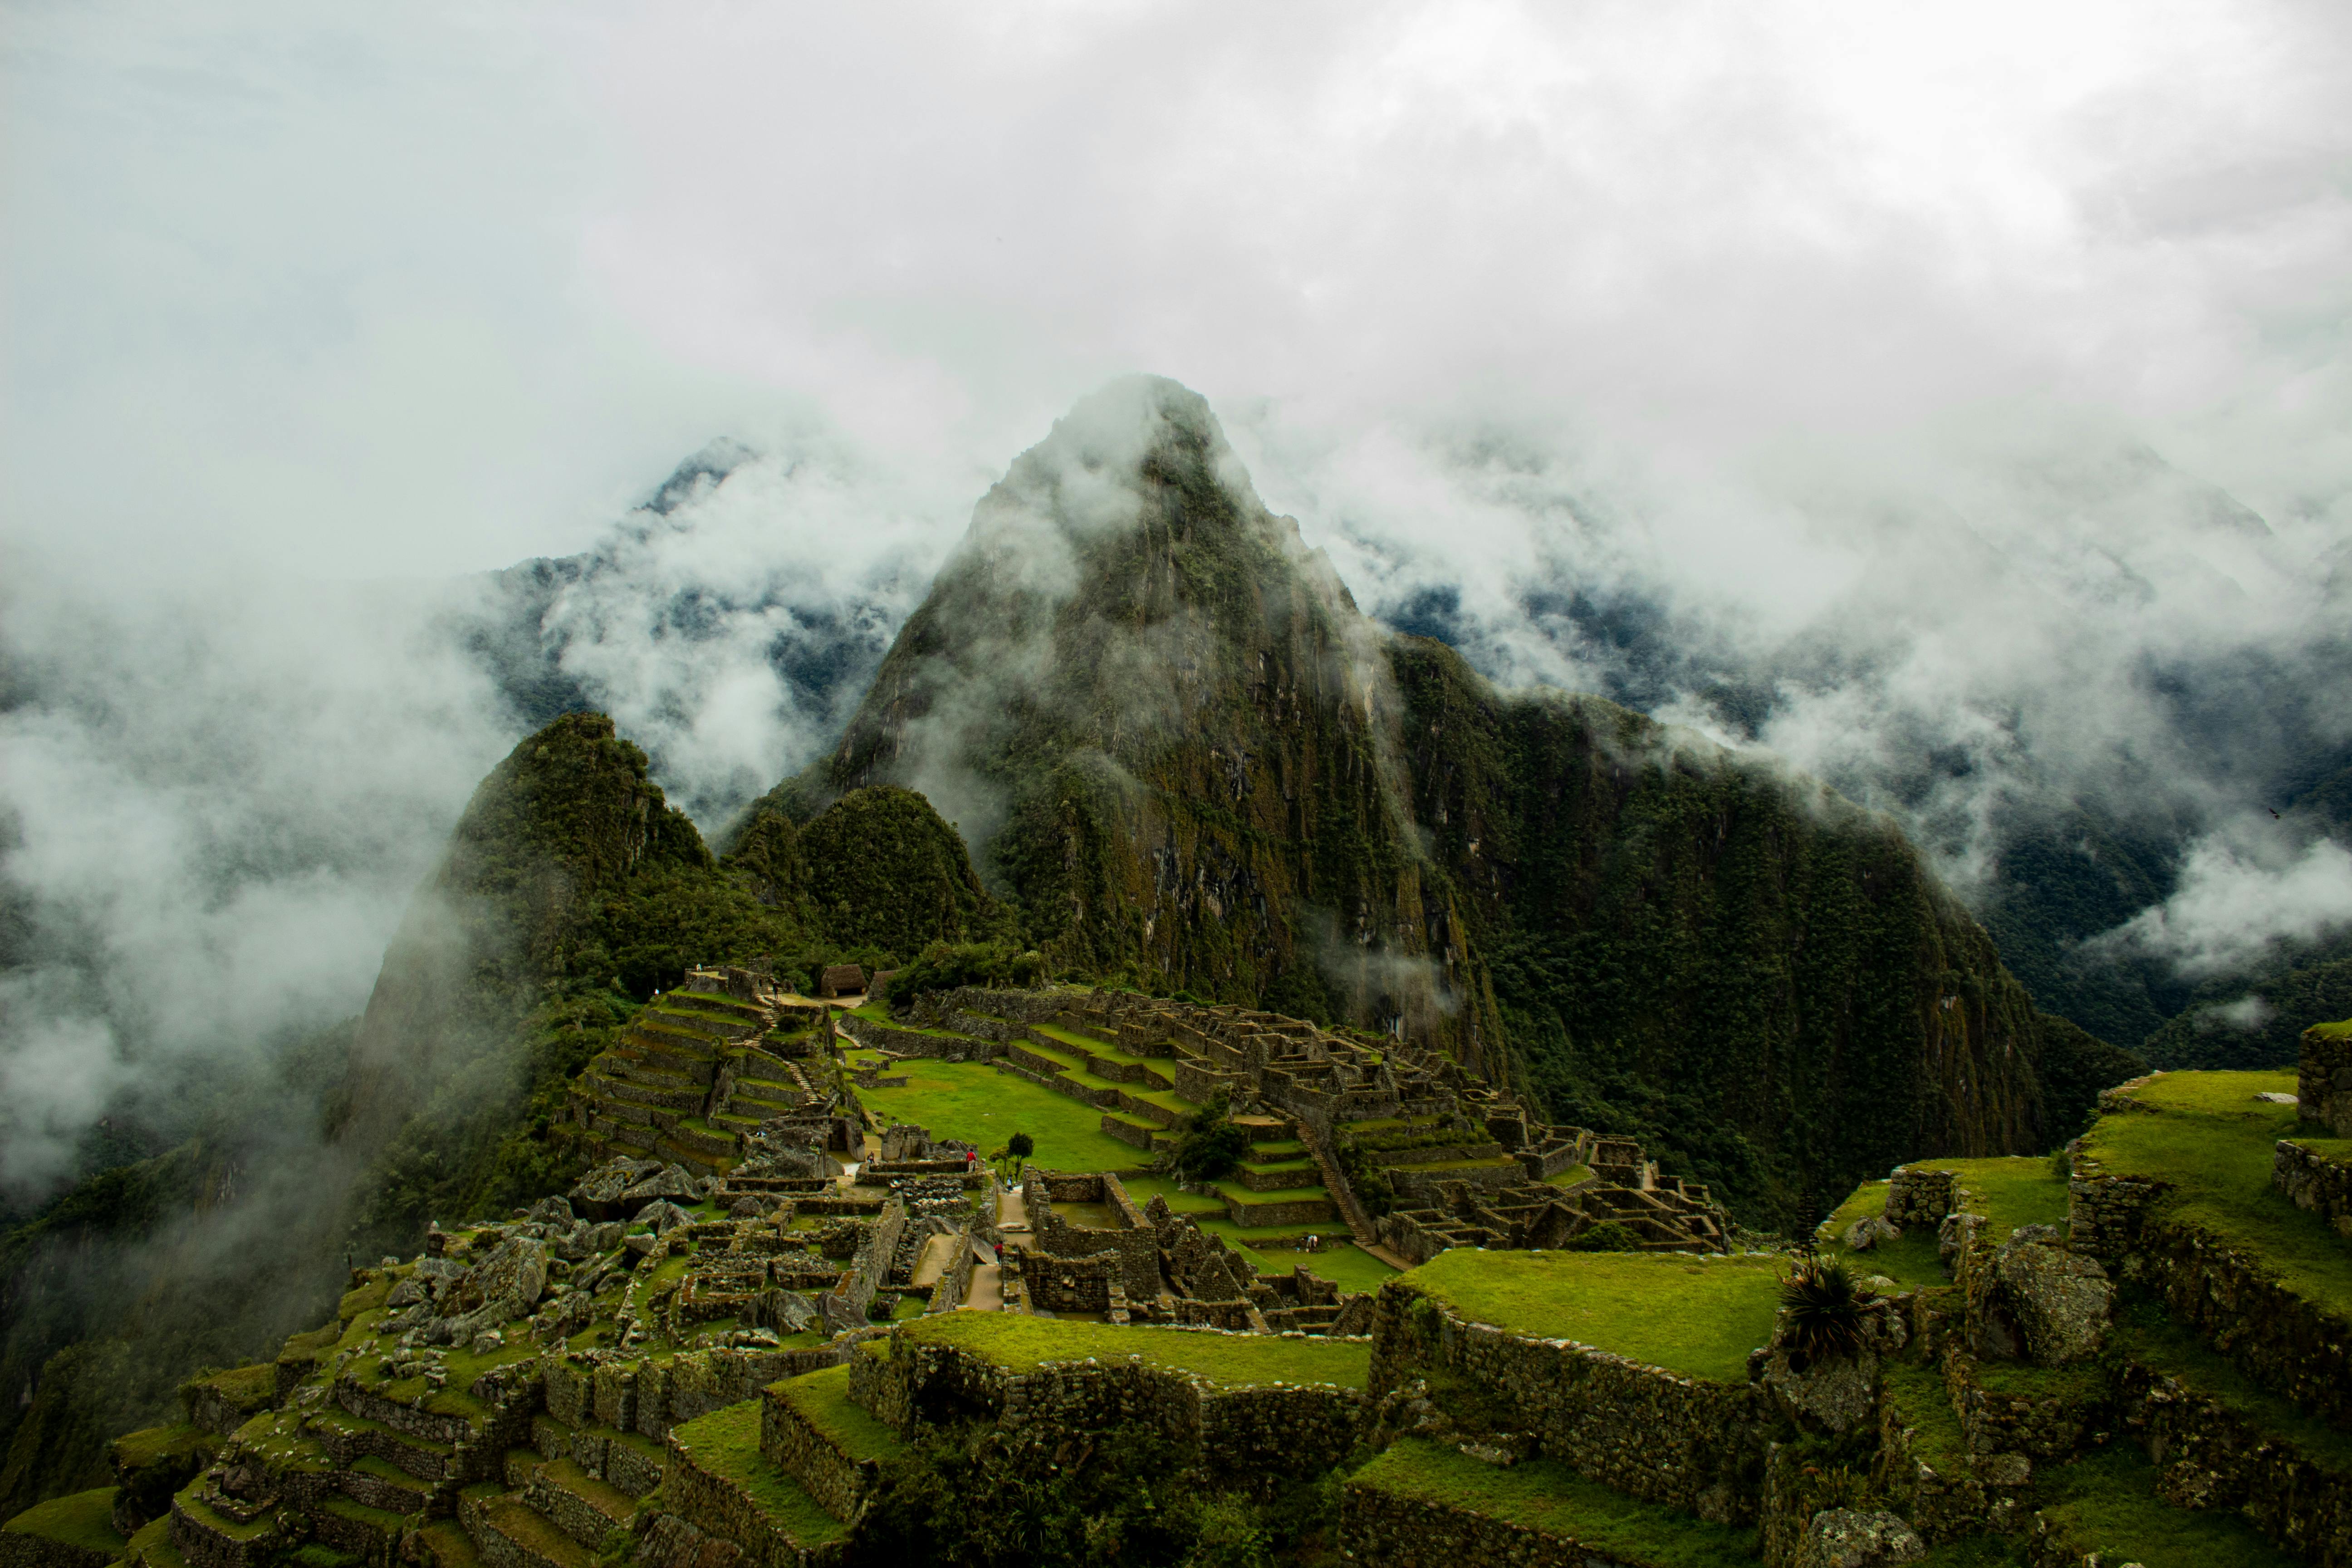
[
  {"x": 1760, "y": 974},
  {"x": 1188, "y": 760}
]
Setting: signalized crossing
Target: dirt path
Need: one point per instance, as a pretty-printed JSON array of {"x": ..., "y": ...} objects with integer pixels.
[
  {"x": 933, "y": 1262},
  {"x": 987, "y": 1292}
]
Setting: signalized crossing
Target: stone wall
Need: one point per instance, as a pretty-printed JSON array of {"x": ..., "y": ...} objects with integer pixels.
[
  {"x": 2207, "y": 1457},
  {"x": 844, "y": 1307},
  {"x": 1648, "y": 1432},
  {"x": 1921, "y": 1196},
  {"x": 2324, "y": 1079},
  {"x": 792, "y": 1443},
  {"x": 1395, "y": 1532},
  {"x": 913, "y": 1043},
  {"x": 2284, "y": 1342},
  {"x": 2314, "y": 1181},
  {"x": 1247, "y": 1437},
  {"x": 1131, "y": 1238}
]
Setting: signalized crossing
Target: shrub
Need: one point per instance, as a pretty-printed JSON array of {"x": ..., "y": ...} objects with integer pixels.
[
  {"x": 1212, "y": 1145},
  {"x": 1020, "y": 1145},
  {"x": 1609, "y": 1235},
  {"x": 1825, "y": 1309},
  {"x": 1368, "y": 1182},
  {"x": 944, "y": 965}
]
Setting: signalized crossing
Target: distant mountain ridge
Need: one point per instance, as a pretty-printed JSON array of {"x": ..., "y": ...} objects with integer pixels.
[{"x": 1191, "y": 762}]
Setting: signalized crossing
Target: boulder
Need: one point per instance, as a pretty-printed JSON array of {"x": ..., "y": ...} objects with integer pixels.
[
  {"x": 2060, "y": 1299},
  {"x": 599, "y": 1194},
  {"x": 1869, "y": 1230},
  {"x": 671, "y": 1182},
  {"x": 663, "y": 1217},
  {"x": 554, "y": 1214},
  {"x": 1849, "y": 1538},
  {"x": 792, "y": 1313}
]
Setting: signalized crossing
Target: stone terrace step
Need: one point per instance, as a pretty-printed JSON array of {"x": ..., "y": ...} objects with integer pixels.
[
  {"x": 350, "y": 1438},
  {"x": 446, "y": 1545},
  {"x": 510, "y": 1534},
  {"x": 719, "y": 1481},
  {"x": 578, "y": 1504}
]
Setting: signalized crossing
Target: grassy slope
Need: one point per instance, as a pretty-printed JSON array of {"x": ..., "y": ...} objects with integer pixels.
[
  {"x": 2212, "y": 1141},
  {"x": 1549, "y": 1497},
  {"x": 80, "y": 1519},
  {"x": 1023, "y": 1344},
  {"x": 727, "y": 1442},
  {"x": 982, "y": 1106},
  {"x": 1675, "y": 1311}
]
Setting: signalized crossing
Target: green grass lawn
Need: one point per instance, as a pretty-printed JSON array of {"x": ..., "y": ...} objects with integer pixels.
[
  {"x": 982, "y": 1106},
  {"x": 821, "y": 1398},
  {"x": 2212, "y": 1141},
  {"x": 1143, "y": 1189},
  {"x": 1242, "y": 1194},
  {"x": 1911, "y": 1260},
  {"x": 1547, "y": 1496},
  {"x": 2108, "y": 1503},
  {"x": 727, "y": 1442},
  {"x": 1089, "y": 1044},
  {"x": 2022, "y": 1189},
  {"x": 82, "y": 1518},
  {"x": 1348, "y": 1266},
  {"x": 1671, "y": 1310},
  {"x": 1023, "y": 1344},
  {"x": 1570, "y": 1177}
]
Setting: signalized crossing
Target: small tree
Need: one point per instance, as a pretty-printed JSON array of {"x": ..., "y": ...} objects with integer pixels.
[
  {"x": 1020, "y": 1145},
  {"x": 1211, "y": 1144}
]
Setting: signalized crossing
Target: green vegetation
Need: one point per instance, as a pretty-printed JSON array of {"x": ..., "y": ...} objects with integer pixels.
[
  {"x": 2146, "y": 1334},
  {"x": 1668, "y": 1309},
  {"x": 1023, "y": 1344},
  {"x": 727, "y": 1444},
  {"x": 1911, "y": 1259},
  {"x": 821, "y": 1398},
  {"x": 1344, "y": 1264},
  {"x": 1547, "y": 1496},
  {"x": 80, "y": 1519},
  {"x": 2108, "y": 1503},
  {"x": 983, "y": 1107},
  {"x": 1369, "y": 1182},
  {"x": 2212, "y": 1142},
  {"x": 974, "y": 1495},
  {"x": 944, "y": 965},
  {"x": 1609, "y": 1235},
  {"x": 1209, "y": 1146},
  {"x": 2299, "y": 988},
  {"x": 1824, "y": 1310}
]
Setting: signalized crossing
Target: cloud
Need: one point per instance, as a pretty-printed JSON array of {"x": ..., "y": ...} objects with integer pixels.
[
  {"x": 2240, "y": 893},
  {"x": 1956, "y": 404}
]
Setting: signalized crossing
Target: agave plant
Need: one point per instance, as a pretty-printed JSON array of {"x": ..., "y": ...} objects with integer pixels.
[{"x": 1825, "y": 1309}]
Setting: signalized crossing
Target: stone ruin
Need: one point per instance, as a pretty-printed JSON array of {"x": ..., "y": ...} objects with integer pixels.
[
  {"x": 1151, "y": 1265},
  {"x": 727, "y": 1070}
]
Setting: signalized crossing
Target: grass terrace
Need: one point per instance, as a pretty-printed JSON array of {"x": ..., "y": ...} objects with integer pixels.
[
  {"x": 82, "y": 1518},
  {"x": 2148, "y": 1335},
  {"x": 1698, "y": 1317},
  {"x": 2108, "y": 1503},
  {"x": 1023, "y": 1344},
  {"x": 821, "y": 1398},
  {"x": 2212, "y": 1141},
  {"x": 974, "y": 1102},
  {"x": 1910, "y": 1261},
  {"x": 727, "y": 1444},
  {"x": 1546, "y": 1496},
  {"x": 1346, "y": 1264}
]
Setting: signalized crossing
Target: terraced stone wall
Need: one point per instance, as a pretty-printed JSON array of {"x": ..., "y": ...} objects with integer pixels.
[
  {"x": 2324, "y": 1077},
  {"x": 2315, "y": 1182},
  {"x": 1239, "y": 1436},
  {"x": 1651, "y": 1433}
]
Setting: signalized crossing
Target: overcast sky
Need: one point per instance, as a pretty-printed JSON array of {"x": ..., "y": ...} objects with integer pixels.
[
  {"x": 413, "y": 290},
  {"x": 1915, "y": 340}
]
